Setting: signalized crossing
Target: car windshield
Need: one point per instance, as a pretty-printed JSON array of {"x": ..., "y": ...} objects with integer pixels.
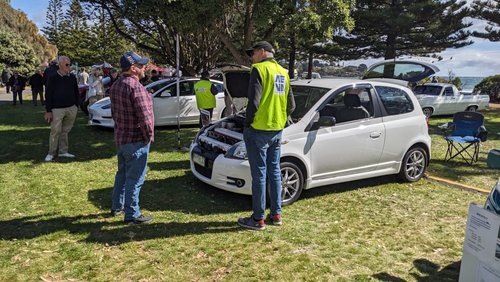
[
  {"x": 427, "y": 90},
  {"x": 305, "y": 98}
]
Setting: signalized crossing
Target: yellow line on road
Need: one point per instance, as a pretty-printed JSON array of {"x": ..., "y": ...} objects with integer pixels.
[{"x": 459, "y": 185}]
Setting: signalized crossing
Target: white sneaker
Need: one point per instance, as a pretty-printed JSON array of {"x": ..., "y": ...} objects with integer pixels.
[
  {"x": 67, "y": 155},
  {"x": 49, "y": 158}
]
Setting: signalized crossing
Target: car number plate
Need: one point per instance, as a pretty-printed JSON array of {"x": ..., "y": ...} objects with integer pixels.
[{"x": 197, "y": 159}]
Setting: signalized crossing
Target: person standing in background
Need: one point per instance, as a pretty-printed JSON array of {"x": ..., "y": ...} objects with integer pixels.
[
  {"x": 61, "y": 104},
  {"x": 5, "y": 79},
  {"x": 36, "y": 82},
  {"x": 17, "y": 84},
  {"x": 205, "y": 92},
  {"x": 83, "y": 77}
]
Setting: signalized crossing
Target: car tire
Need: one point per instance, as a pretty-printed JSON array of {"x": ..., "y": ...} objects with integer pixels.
[
  {"x": 427, "y": 112},
  {"x": 292, "y": 183},
  {"x": 414, "y": 165},
  {"x": 471, "y": 109}
]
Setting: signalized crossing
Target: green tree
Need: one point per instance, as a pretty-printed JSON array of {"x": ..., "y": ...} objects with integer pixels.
[
  {"x": 488, "y": 11},
  {"x": 490, "y": 86},
  {"x": 54, "y": 18},
  {"x": 391, "y": 28},
  {"x": 18, "y": 23},
  {"x": 74, "y": 35},
  {"x": 106, "y": 44},
  {"x": 15, "y": 53}
]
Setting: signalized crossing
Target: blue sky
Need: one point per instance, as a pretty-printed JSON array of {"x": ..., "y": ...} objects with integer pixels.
[{"x": 479, "y": 59}]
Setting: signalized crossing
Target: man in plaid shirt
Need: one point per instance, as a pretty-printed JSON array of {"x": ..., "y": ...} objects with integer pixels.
[{"x": 132, "y": 111}]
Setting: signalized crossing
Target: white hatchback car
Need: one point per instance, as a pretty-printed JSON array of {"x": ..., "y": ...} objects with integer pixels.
[
  {"x": 165, "y": 104},
  {"x": 341, "y": 130}
]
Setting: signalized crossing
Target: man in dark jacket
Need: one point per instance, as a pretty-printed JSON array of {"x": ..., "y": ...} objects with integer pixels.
[
  {"x": 61, "y": 106},
  {"x": 36, "y": 82},
  {"x": 17, "y": 84},
  {"x": 50, "y": 71}
]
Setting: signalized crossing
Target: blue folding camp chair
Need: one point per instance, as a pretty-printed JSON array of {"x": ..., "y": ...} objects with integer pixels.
[{"x": 468, "y": 133}]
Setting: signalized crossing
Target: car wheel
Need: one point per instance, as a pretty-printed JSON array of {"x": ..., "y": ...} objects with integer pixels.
[
  {"x": 471, "y": 109},
  {"x": 292, "y": 182},
  {"x": 427, "y": 112},
  {"x": 414, "y": 165}
]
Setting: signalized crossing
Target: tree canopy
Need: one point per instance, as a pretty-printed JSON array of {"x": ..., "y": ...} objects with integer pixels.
[
  {"x": 14, "y": 25},
  {"x": 391, "y": 28},
  {"x": 488, "y": 11}
]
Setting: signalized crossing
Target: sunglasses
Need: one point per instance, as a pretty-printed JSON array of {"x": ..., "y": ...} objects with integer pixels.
[{"x": 67, "y": 65}]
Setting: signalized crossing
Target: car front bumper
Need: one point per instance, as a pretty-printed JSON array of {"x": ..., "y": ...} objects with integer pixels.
[
  {"x": 100, "y": 119},
  {"x": 232, "y": 175}
]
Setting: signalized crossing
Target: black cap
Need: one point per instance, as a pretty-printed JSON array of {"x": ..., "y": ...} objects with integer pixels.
[
  {"x": 260, "y": 45},
  {"x": 205, "y": 73}
]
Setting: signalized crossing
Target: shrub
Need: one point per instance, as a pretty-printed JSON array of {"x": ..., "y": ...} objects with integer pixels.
[{"x": 490, "y": 86}]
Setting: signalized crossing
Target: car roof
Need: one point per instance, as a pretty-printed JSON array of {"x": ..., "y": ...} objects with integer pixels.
[{"x": 327, "y": 82}]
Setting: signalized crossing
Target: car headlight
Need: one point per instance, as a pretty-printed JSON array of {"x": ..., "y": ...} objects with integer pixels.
[{"x": 237, "y": 151}]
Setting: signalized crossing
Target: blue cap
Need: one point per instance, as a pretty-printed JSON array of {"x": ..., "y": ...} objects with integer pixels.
[{"x": 132, "y": 58}]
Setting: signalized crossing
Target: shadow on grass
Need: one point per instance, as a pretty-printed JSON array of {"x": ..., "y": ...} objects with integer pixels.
[
  {"x": 100, "y": 229},
  {"x": 183, "y": 194},
  {"x": 428, "y": 271}
]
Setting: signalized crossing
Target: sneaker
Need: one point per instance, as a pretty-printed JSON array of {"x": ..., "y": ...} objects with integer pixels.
[
  {"x": 49, "y": 158},
  {"x": 67, "y": 155},
  {"x": 275, "y": 219},
  {"x": 117, "y": 212},
  {"x": 140, "y": 220},
  {"x": 250, "y": 223}
]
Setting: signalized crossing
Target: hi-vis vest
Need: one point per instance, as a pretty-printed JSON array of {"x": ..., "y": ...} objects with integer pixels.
[
  {"x": 271, "y": 114},
  {"x": 204, "y": 97}
]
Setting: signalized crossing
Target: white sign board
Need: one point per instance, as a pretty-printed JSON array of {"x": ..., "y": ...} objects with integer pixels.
[{"x": 481, "y": 253}]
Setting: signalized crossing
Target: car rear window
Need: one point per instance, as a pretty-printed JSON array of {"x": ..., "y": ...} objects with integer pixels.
[
  {"x": 395, "y": 101},
  {"x": 427, "y": 90}
]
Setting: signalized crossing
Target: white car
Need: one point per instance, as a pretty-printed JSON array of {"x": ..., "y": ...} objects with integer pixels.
[
  {"x": 341, "y": 130},
  {"x": 445, "y": 99},
  {"x": 165, "y": 104}
]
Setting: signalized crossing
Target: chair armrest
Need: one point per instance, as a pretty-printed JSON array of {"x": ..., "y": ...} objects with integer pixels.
[{"x": 482, "y": 133}]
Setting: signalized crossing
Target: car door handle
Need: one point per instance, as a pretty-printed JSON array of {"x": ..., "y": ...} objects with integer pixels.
[{"x": 375, "y": 134}]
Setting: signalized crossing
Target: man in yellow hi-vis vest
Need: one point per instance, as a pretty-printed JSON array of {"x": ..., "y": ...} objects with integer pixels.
[
  {"x": 270, "y": 102},
  {"x": 205, "y": 92}
]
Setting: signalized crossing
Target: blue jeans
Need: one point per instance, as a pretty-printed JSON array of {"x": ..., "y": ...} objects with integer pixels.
[
  {"x": 132, "y": 163},
  {"x": 263, "y": 150}
]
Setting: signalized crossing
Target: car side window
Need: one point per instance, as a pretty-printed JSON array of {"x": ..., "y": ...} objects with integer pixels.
[
  {"x": 187, "y": 88},
  {"x": 394, "y": 100},
  {"x": 349, "y": 105},
  {"x": 168, "y": 91},
  {"x": 448, "y": 91}
]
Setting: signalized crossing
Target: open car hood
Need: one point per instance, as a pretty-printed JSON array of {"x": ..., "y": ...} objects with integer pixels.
[
  {"x": 236, "y": 80},
  {"x": 407, "y": 70}
]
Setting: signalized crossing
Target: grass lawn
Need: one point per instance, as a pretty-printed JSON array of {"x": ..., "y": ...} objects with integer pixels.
[{"x": 54, "y": 222}]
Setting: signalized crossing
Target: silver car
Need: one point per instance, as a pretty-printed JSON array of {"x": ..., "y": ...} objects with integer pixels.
[{"x": 341, "y": 130}]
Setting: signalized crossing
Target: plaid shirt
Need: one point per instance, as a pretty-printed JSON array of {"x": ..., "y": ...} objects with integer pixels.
[{"x": 132, "y": 111}]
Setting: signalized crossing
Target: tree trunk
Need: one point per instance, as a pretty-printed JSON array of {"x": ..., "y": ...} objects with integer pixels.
[
  {"x": 291, "y": 63},
  {"x": 310, "y": 65}
]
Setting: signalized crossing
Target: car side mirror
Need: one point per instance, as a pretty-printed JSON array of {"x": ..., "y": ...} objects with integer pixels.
[{"x": 321, "y": 121}]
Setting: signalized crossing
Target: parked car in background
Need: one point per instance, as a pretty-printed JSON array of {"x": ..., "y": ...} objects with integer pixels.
[
  {"x": 341, "y": 130},
  {"x": 165, "y": 104},
  {"x": 445, "y": 99},
  {"x": 493, "y": 201}
]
